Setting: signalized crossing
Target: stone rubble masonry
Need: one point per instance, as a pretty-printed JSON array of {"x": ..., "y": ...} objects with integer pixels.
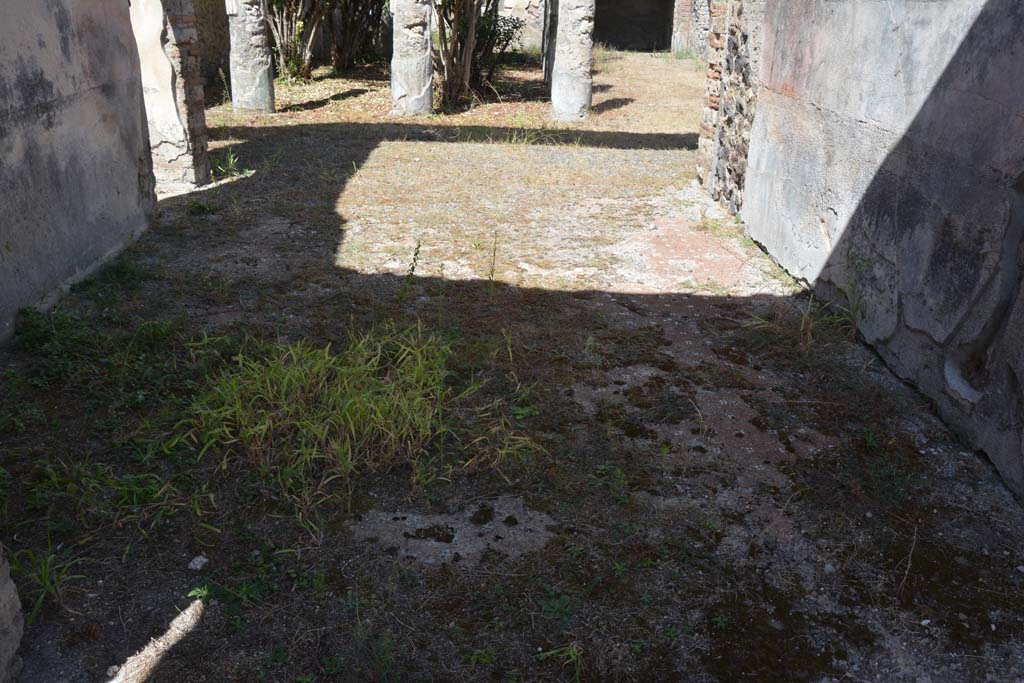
[
  {"x": 252, "y": 65},
  {"x": 412, "y": 65},
  {"x": 893, "y": 180},
  {"x": 700, "y": 25},
  {"x": 734, "y": 48},
  {"x": 532, "y": 14},
  {"x": 571, "y": 73},
  {"x": 165, "y": 33},
  {"x": 682, "y": 23},
  {"x": 75, "y": 164}
]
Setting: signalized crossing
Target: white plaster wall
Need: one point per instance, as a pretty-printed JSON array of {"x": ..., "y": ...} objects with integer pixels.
[{"x": 75, "y": 174}]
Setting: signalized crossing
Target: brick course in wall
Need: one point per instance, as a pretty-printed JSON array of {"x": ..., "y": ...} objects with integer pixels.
[
  {"x": 166, "y": 36},
  {"x": 730, "y": 98},
  {"x": 182, "y": 49},
  {"x": 682, "y": 22}
]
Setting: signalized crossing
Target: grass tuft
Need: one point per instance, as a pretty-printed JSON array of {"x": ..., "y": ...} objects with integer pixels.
[
  {"x": 308, "y": 417},
  {"x": 818, "y": 324},
  {"x": 44, "y": 575}
]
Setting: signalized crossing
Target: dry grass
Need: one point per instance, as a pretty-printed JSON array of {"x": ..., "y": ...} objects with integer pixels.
[{"x": 525, "y": 181}]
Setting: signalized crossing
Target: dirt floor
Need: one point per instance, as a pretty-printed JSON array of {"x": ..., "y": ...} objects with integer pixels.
[{"x": 674, "y": 464}]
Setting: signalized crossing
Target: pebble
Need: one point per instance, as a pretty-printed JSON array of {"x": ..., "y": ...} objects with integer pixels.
[
  {"x": 198, "y": 562},
  {"x": 112, "y": 670},
  {"x": 1021, "y": 569}
]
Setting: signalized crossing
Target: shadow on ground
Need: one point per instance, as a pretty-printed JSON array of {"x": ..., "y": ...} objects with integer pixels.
[
  {"x": 316, "y": 104},
  {"x": 736, "y": 489}
]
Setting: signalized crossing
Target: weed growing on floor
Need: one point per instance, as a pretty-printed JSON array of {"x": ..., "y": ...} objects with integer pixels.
[
  {"x": 228, "y": 166},
  {"x": 20, "y": 417},
  {"x": 123, "y": 370},
  {"x": 98, "y": 494},
  {"x": 44, "y": 574},
  {"x": 817, "y": 324},
  {"x": 834, "y": 318},
  {"x": 310, "y": 419},
  {"x": 570, "y": 655},
  {"x": 410, "y": 274},
  {"x": 198, "y": 208},
  {"x": 720, "y": 227},
  {"x": 483, "y": 657},
  {"x": 307, "y": 416},
  {"x": 225, "y": 87},
  {"x": 491, "y": 267},
  {"x": 683, "y": 55},
  {"x": 499, "y": 445},
  {"x": 530, "y": 136}
]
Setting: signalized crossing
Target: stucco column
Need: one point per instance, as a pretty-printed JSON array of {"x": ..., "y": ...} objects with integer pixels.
[
  {"x": 252, "y": 67},
  {"x": 165, "y": 34},
  {"x": 682, "y": 16},
  {"x": 571, "y": 77},
  {"x": 550, "y": 38},
  {"x": 412, "y": 66}
]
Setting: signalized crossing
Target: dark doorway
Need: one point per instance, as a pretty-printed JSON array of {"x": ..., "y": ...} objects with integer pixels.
[{"x": 644, "y": 25}]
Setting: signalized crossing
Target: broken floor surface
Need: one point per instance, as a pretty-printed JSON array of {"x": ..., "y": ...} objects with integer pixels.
[{"x": 730, "y": 489}]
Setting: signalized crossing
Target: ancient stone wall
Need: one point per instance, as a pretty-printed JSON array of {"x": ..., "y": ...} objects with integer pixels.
[
  {"x": 682, "y": 21},
  {"x": 700, "y": 26},
  {"x": 74, "y": 152},
  {"x": 165, "y": 33},
  {"x": 734, "y": 52},
  {"x": 885, "y": 163},
  {"x": 532, "y": 13}
]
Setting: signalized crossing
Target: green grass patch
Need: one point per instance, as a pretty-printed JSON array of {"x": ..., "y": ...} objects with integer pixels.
[
  {"x": 310, "y": 418},
  {"x": 44, "y": 575}
]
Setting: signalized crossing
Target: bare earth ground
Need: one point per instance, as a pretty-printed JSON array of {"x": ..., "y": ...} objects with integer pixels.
[{"x": 726, "y": 486}]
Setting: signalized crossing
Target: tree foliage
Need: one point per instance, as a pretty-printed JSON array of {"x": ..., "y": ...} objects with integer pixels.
[
  {"x": 472, "y": 36},
  {"x": 295, "y": 24},
  {"x": 357, "y": 28}
]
